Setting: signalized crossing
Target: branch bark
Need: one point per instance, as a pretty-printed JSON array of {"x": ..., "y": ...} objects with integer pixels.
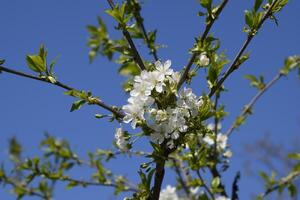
[
  {"x": 249, "y": 106},
  {"x": 133, "y": 48},
  {"x": 96, "y": 101},
  {"x": 140, "y": 22},
  {"x": 285, "y": 180},
  {"x": 234, "y": 64},
  {"x": 203, "y": 37}
]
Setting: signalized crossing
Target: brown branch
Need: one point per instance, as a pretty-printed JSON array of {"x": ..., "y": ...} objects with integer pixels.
[
  {"x": 133, "y": 48},
  {"x": 181, "y": 179},
  {"x": 29, "y": 191},
  {"x": 216, "y": 121},
  {"x": 205, "y": 185},
  {"x": 158, "y": 179},
  {"x": 235, "y": 65},
  {"x": 91, "y": 183},
  {"x": 95, "y": 101},
  {"x": 140, "y": 22},
  {"x": 215, "y": 173},
  {"x": 160, "y": 172},
  {"x": 248, "y": 107},
  {"x": 203, "y": 37}
]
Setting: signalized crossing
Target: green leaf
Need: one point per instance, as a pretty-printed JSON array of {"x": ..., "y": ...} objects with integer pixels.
[
  {"x": 129, "y": 69},
  {"x": 36, "y": 63},
  {"x": 257, "y": 4},
  {"x": 2, "y": 174},
  {"x": 128, "y": 85},
  {"x": 296, "y": 168},
  {"x": 292, "y": 190},
  {"x": 200, "y": 14},
  {"x": 77, "y": 105},
  {"x": 2, "y": 61},
  {"x": 251, "y": 78},
  {"x": 249, "y": 19},
  {"x": 290, "y": 63},
  {"x": 239, "y": 121},
  {"x": 215, "y": 182},
  {"x": 294, "y": 156},
  {"x": 259, "y": 198},
  {"x": 206, "y": 4},
  {"x": 43, "y": 54},
  {"x": 279, "y": 5},
  {"x": 72, "y": 184},
  {"x": 52, "y": 63}
]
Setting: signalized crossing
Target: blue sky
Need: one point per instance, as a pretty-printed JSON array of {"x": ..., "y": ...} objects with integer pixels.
[{"x": 29, "y": 108}]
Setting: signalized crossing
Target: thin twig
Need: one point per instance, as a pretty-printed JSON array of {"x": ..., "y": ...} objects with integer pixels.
[
  {"x": 95, "y": 101},
  {"x": 181, "y": 179},
  {"x": 203, "y": 37},
  {"x": 29, "y": 191},
  {"x": 215, "y": 173},
  {"x": 140, "y": 22},
  {"x": 235, "y": 64},
  {"x": 248, "y": 107},
  {"x": 216, "y": 121},
  {"x": 204, "y": 185},
  {"x": 91, "y": 183},
  {"x": 133, "y": 48},
  {"x": 285, "y": 180}
]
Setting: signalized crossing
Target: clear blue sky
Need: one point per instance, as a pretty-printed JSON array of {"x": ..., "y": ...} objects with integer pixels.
[{"x": 29, "y": 108}]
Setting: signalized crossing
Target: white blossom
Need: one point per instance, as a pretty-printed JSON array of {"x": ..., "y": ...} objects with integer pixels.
[
  {"x": 188, "y": 100},
  {"x": 227, "y": 154},
  {"x": 161, "y": 115},
  {"x": 142, "y": 90},
  {"x": 132, "y": 114},
  {"x": 155, "y": 79},
  {"x": 121, "y": 141},
  {"x": 221, "y": 141},
  {"x": 211, "y": 126},
  {"x": 222, "y": 198},
  {"x": 174, "y": 78},
  {"x": 159, "y": 132},
  {"x": 203, "y": 60},
  {"x": 164, "y": 68},
  {"x": 169, "y": 193}
]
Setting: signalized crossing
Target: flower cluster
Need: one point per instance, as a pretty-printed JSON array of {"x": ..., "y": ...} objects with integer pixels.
[
  {"x": 170, "y": 193},
  {"x": 221, "y": 141},
  {"x": 166, "y": 121}
]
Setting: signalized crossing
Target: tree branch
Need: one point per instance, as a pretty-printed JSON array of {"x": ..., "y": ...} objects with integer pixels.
[
  {"x": 91, "y": 183},
  {"x": 140, "y": 22},
  {"x": 29, "y": 191},
  {"x": 204, "y": 185},
  {"x": 133, "y": 48},
  {"x": 203, "y": 37},
  {"x": 216, "y": 121},
  {"x": 283, "y": 181},
  {"x": 248, "y": 107},
  {"x": 160, "y": 172},
  {"x": 95, "y": 101},
  {"x": 235, "y": 64},
  {"x": 181, "y": 179},
  {"x": 215, "y": 173}
]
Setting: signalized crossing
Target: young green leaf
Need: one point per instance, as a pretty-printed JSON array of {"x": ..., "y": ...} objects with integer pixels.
[
  {"x": 77, "y": 105},
  {"x": 36, "y": 63}
]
